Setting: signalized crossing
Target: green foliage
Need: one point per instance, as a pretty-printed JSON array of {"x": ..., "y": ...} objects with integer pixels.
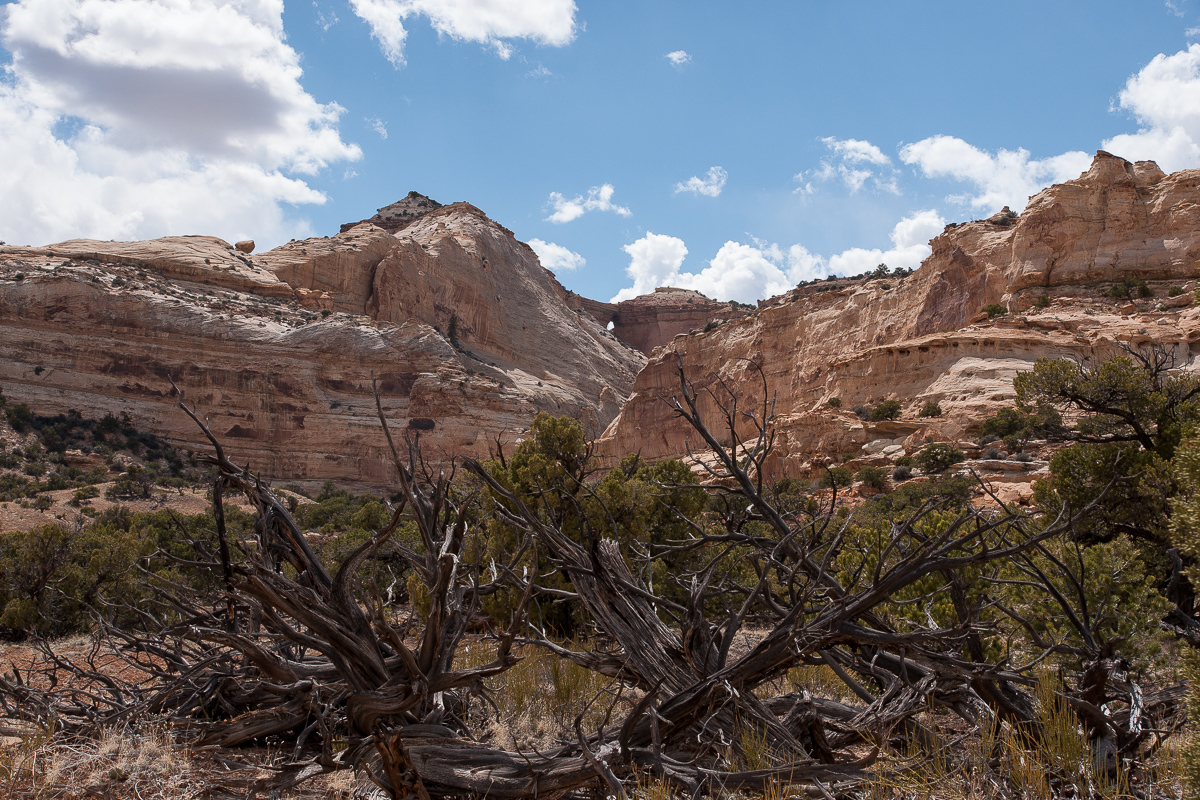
[
  {"x": 1184, "y": 526},
  {"x": 638, "y": 504},
  {"x": 902, "y": 472},
  {"x": 53, "y": 578},
  {"x": 337, "y": 510},
  {"x": 875, "y": 477},
  {"x": 1121, "y": 602},
  {"x": 930, "y": 409},
  {"x": 1129, "y": 287},
  {"x": 135, "y": 484},
  {"x": 862, "y": 412},
  {"x": 1043, "y": 301},
  {"x": 1175, "y": 291},
  {"x": 937, "y": 457},
  {"x": 835, "y": 476},
  {"x": 888, "y": 409},
  {"x": 1135, "y": 397},
  {"x": 834, "y": 402},
  {"x": 83, "y": 495},
  {"x": 20, "y": 417},
  {"x": 1016, "y": 427},
  {"x": 994, "y": 310},
  {"x": 1135, "y": 485}
]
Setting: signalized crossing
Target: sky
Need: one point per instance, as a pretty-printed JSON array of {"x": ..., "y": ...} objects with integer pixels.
[{"x": 732, "y": 148}]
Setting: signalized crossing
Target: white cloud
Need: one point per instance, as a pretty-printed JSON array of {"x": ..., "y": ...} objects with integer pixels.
[
  {"x": 599, "y": 198},
  {"x": 555, "y": 257},
  {"x": 325, "y": 21},
  {"x": 488, "y": 22},
  {"x": 858, "y": 162},
  {"x": 678, "y": 57},
  {"x": 746, "y": 272},
  {"x": 540, "y": 72},
  {"x": 910, "y": 246},
  {"x": 709, "y": 186},
  {"x": 378, "y": 125},
  {"x": 1164, "y": 97},
  {"x": 1007, "y": 178},
  {"x": 856, "y": 151},
  {"x": 654, "y": 260},
  {"x": 140, "y": 118}
]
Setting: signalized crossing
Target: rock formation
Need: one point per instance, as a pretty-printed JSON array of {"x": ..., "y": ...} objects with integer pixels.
[
  {"x": 924, "y": 338},
  {"x": 651, "y": 320},
  {"x": 399, "y": 215},
  {"x": 467, "y": 335}
]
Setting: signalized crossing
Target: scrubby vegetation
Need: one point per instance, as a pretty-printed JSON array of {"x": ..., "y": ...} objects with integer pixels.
[
  {"x": 638, "y": 630},
  {"x": 136, "y": 460},
  {"x": 1128, "y": 288}
]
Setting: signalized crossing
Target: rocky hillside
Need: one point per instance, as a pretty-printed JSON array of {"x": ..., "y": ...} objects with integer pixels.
[
  {"x": 927, "y": 337},
  {"x": 467, "y": 335}
]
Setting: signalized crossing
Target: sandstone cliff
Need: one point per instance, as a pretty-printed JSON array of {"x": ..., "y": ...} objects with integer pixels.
[
  {"x": 923, "y": 338},
  {"x": 468, "y": 336},
  {"x": 651, "y": 320}
]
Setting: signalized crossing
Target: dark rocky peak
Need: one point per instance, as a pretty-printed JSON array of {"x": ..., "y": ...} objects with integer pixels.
[{"x": 399, "y": 215}]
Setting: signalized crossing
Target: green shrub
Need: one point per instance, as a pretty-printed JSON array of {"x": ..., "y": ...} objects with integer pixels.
[
  {"x": 83, "y": 495},
  {"x": 875, "y": 477},
  {"x": 834, "y": 402},
  {"x": 862, "y": 412},
  {"x": 888, "y": 409},
  {"x": 994, "y": 310},
  {"x": 836, "y": 476},
  {"x": 904, "y": 461},
  {"x": 938, "y": 457},
  {"x": 930, "y": 409},
  {"x": 901, "y": 473},
  {"x": 20, "y": 417},
  {"x": 1043, "y": 301},
  {"x": 1130, "y": 287},
  {"x": 1175, "y": 291}
]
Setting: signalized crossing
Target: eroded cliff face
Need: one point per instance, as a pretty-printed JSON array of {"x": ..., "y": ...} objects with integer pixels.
[
  {"x": 651, "y": 320},
  {"x": 466, "y": 334},
  {"x": 924, "y": 338}
]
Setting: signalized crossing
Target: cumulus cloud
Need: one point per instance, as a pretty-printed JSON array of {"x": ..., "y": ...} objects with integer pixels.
[
  {"x": 856, "y": 151},
  {"x": 599, "y": 198},
  {"x": 488, "y": 22},
  {"x": 709, "y": 186},
  {"x": 139, "y": 118},
  {"x": 910, "y": 246},
  {"x": 555, "y": 257},
  {"x": 854, "y": 162},
  {"x": 1164, "y": 97},
  {"x": 748, "y": 272},
  {"x": 1006, "y": 178},
  {"x": 678, "y": 57},
  {"x": 654, "y": 260}
]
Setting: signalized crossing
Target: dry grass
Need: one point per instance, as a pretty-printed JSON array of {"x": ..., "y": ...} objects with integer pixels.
[
  {"x": 539, "y": 698},
  {"x": 118, "y": 763}
]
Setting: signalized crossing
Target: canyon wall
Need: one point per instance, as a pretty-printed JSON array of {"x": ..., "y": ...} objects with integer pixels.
[
  {"x": 466, "y": 334},
  {"x": 924, "y": 338}
]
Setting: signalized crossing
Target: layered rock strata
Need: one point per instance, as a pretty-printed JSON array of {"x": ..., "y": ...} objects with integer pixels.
[
  {"x": 467, "y": 336},
  {"x": 651, "y": 320},
  {"x": 925, "y": 337}
]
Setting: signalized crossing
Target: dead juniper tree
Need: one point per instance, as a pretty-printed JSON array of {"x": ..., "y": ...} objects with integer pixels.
[{"x": 699, "y": 698}]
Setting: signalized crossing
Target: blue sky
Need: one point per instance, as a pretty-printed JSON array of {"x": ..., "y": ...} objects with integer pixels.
[{"x": 783, "y": 140}]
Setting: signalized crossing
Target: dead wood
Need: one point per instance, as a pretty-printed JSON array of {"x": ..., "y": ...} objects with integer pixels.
[{"x": 286, "y": 650}]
